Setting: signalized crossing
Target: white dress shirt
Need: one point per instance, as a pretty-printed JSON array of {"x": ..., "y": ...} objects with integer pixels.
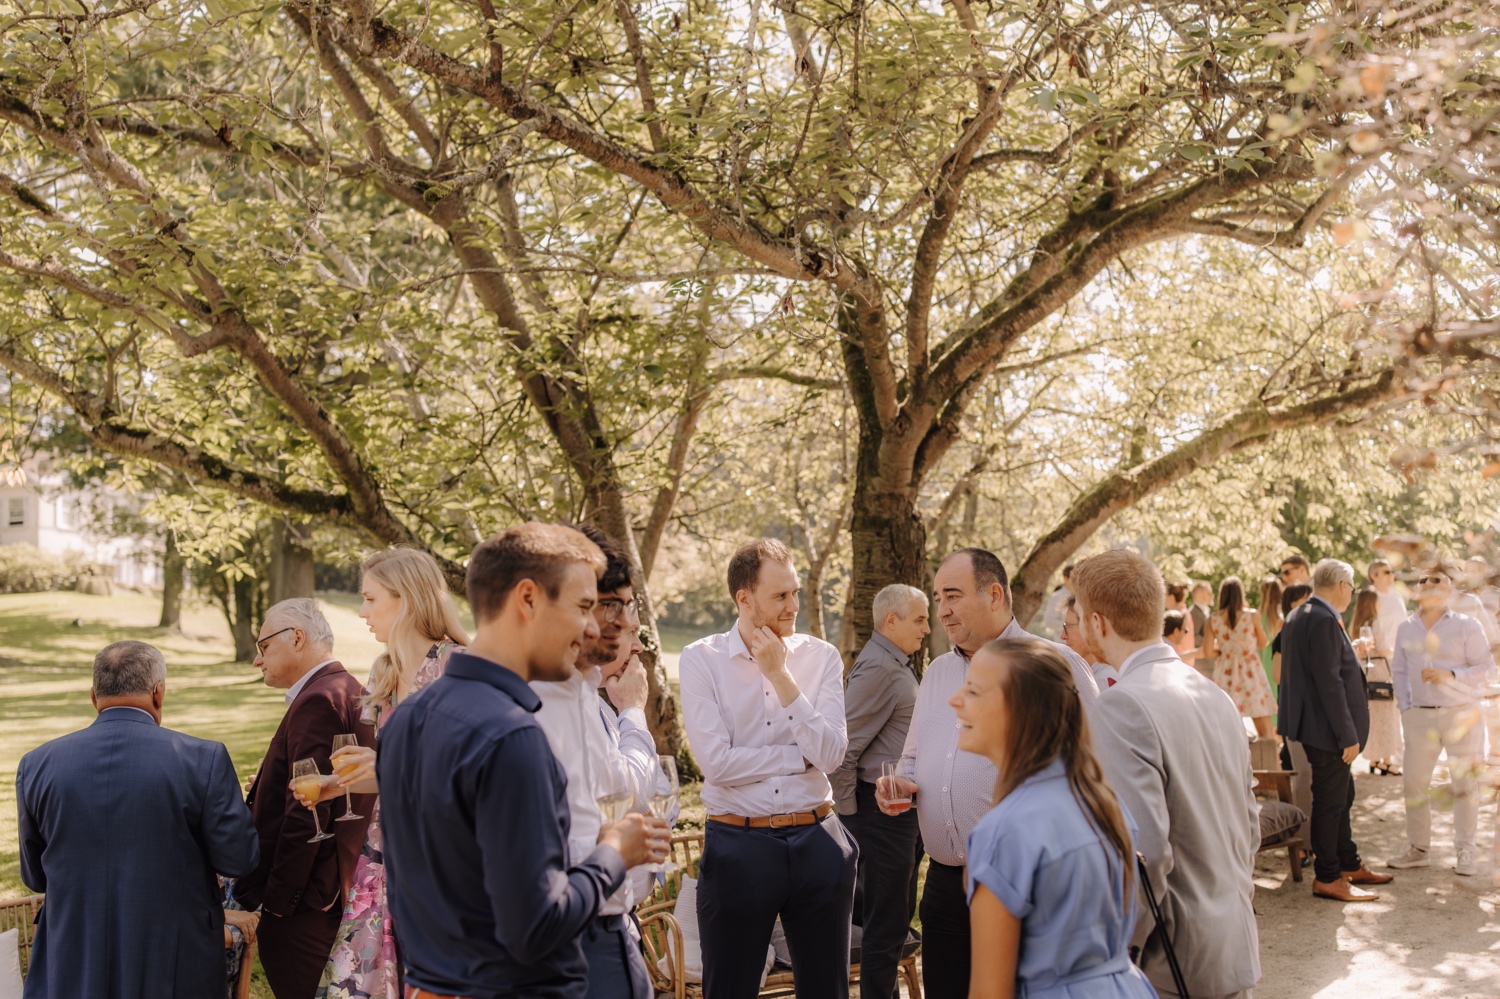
[
  {"x": 750, "y": 748},
  {"x": 1455, "y": 642},
  {"x": 583, "y": 742},
  {"x": 955, "y": 788},
  {"x": 296, "y": 688}
]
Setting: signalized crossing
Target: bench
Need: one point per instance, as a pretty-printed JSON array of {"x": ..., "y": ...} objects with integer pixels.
[{"x": 663, "y": 936}]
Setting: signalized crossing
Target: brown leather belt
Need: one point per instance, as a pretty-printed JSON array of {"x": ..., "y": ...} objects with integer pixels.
[{"x": 780, "y": 821}]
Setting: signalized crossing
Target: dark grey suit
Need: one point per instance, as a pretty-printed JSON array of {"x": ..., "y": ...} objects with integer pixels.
[{"x": 123, "y": 825}]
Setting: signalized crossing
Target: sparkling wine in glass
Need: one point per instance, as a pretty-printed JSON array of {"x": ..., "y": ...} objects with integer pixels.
[
  {"x": 346, "y": 741},
  {"x": 614, "y": 793},
  {"x": 665, "y": 802},
  {"x": 307, "y": 782}
]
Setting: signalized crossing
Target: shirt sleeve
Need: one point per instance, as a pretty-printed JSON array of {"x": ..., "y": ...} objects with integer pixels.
[
  {"x": 1401, "y": 674},
  {"x": 818, "y": 722},
  {"x": 638, "y": 749},
  {"x": 722, "y": 763},
  {"x": 1479, "y": 661},
  {"x": 1009, "y": 872},
  {"x": 538, "y": 901},
  {"x": 907, "y": 767},
  {"x": 868, "y": 702}
]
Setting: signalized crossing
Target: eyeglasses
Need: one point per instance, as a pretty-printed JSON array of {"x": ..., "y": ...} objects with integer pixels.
[
  {"x": 1432, "y": 580},
  {"x": 610, "y": 608},
  {"x": 263, "y": 642}
]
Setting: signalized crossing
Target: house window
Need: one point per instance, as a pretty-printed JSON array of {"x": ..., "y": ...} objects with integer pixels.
[{"x": 16, "y": 515}]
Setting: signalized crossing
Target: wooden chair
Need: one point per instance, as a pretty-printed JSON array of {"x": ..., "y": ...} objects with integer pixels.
[
  {"x": 20, "y": 914},
  {"x": 1278, "y": 783},
  {"x": 663, "y": 936}
]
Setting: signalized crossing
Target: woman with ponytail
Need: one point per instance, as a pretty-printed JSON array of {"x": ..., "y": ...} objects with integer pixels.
[
  {"x": 1051, "y": 866},
  {"x": 407, "y": 605}
]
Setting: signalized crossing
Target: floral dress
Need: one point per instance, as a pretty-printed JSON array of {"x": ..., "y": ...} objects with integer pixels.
[
  {"x": 363, "y": 962},
  {"x": 1238, "y": 668}
]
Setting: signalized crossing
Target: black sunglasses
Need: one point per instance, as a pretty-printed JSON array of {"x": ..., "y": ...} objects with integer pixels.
[{"x": 1435, "y": 580}]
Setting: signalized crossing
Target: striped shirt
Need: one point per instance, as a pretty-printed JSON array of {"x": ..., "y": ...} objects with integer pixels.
[{"x": 955, "y": 788}]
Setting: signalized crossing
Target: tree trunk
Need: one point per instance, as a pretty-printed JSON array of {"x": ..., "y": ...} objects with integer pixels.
[
  {"x": 243, "y": 624},
  {"x": 889, "y": 545},
  {"x": 172, "y": 572},
  {"x": 291, "y": 571}
]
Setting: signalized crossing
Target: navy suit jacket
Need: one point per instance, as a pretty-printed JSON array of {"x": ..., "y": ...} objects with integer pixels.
[
  {"x": 1322, "y": 696},
  {"x": 123, "y": 825}
]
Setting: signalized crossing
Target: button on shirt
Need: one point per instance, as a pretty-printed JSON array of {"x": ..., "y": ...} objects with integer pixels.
[
  {"x": 955, "y": 788},
  {"x": 750, "y": 748},
  {"x": 1454, "y": 642},
  {"x": 878, "y": 699},
  {"x": 474, "y": 817}
]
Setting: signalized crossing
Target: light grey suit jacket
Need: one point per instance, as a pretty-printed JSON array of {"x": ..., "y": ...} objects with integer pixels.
[{"x": 1174, "y": 749}]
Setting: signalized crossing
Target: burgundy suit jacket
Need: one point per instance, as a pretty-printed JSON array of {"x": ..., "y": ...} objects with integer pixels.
[{"x": 295, "y": 875}]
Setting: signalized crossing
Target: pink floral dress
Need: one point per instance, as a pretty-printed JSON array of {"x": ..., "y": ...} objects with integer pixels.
[
  {"x": 363, "y": 964},
  {"x": 1238, "y": 668}
]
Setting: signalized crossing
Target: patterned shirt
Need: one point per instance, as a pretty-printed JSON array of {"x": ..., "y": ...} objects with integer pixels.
[{"x": 955, "y": 788}]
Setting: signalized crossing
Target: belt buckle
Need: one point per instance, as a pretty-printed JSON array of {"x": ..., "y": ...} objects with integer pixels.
[{"x": 783, "y": 820}]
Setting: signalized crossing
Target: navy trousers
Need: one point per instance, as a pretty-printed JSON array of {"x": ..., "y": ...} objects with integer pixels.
[
  {"x": 887, "y": 897},
  {"x": 945, "y": 933},
  {"x": 617, "y": 968},
  {"x": 748, "y": 877}
]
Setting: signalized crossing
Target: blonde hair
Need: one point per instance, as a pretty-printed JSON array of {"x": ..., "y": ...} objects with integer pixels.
[
  {"x": 426, "y": 609},
  {"x": 1124, "y": 588}
]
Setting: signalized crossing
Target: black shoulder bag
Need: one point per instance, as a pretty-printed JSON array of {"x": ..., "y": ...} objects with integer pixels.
[{"x": 1161, "y": 928}]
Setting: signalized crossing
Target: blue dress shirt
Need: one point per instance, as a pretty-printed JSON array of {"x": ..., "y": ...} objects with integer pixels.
[{"x": 474, "y": 815}]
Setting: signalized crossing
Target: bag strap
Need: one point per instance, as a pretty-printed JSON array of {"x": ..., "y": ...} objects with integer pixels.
[{"x": 1161, "y": 928}]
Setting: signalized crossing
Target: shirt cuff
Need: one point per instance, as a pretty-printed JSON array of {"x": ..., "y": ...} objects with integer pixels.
[
  {"x": 800, "y": 710},
  {"x": 634, "y": 716}
]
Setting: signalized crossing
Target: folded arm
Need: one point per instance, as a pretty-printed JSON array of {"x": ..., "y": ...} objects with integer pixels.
[{"x": 722, "y": 763}]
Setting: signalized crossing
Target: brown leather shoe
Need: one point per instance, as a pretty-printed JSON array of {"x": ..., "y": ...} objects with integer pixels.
[
  {"x": 1365, "y": 876},
  {"x": 1343, "y": 891}
]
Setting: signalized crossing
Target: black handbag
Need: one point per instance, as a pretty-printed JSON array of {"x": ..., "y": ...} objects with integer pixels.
[
  {"x": 1378, "y": 690},
  {"x": 1161, "y": 930}
]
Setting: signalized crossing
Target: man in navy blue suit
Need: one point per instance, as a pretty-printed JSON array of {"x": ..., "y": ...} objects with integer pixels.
[
  {"x": 1323, "y": 707},
  {"x": 123, "y": 825}
]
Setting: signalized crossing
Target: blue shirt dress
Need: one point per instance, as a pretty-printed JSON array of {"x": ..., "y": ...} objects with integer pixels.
[{"x": 1039, "y": 852}]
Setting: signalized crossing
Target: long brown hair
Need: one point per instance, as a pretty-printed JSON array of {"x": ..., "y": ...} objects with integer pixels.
[
  {"x": 1270, "y": 602},
  {"x": 1366, "y": 608},
  {"x": 1053, "y": 726},
  {"x": 1232, "y": 599}
]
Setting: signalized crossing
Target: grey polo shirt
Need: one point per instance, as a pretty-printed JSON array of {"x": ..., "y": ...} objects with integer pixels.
[{"x": 878, "y": 699}]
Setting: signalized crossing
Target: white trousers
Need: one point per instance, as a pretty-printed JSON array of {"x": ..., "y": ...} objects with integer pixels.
[{"x": 1428, "y": 732}]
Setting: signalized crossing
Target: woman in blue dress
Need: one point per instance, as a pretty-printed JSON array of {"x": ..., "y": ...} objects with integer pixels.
[{"x": 1050, "y": 877}]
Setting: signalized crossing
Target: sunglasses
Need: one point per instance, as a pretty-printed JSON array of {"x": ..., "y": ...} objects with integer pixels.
[{"x": 1432, "y": 580}]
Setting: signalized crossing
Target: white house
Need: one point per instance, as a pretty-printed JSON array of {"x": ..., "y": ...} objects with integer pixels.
[{"x": 38, "y": 508}]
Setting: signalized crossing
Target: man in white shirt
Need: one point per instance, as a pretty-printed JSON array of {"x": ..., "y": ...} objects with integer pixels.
[
  {"x": 586, "y": 739},
  {"x": 1441, "y": 663},
  {"x": 951, "y": 789},
  {"x": 764, "y": 713}
]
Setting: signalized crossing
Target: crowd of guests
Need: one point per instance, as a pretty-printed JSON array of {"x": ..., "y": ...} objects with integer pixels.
[{"x": 478, "y": 821}]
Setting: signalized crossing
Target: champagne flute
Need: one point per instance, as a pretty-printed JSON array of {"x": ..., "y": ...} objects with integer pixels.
[
  {"x": 346, "y": 741},
  {"x": 307, "y": 782},
  {"x": 614, "y": 794},
  {"x": 666, "y": 801}
]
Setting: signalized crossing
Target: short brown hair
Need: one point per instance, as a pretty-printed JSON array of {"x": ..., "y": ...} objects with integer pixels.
[
  {"x": 1125, "y": 589},
  {"x": 539, "y": 552},
  {"x": 744, "y": 564},
  {"x": 1298, "y": 559}
]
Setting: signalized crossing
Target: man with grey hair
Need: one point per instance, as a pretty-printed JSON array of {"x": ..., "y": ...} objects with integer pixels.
[
  {"x": 300, "y": 883},
  {"x": 878, "y": 698},
  {"x": 1323, "y": 706},
  {"x": 123, "y": 825}
]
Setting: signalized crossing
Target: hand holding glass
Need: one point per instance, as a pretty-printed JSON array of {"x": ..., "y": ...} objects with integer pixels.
[
  {"x": 307, "y": 782},
  {"x": 346, "y": 741},
  {"x": 665, "y": 803},
  {"x": 613, "y": 791},
  {"x": 895, "y": 790}
]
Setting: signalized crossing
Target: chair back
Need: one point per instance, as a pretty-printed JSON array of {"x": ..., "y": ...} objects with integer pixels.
[{"x": 20, "y": 914}]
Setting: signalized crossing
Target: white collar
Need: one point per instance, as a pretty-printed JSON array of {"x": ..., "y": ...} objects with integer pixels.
[
  {"x": 1149, "y": 653},
  {"x": 296, "y": 688}
]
